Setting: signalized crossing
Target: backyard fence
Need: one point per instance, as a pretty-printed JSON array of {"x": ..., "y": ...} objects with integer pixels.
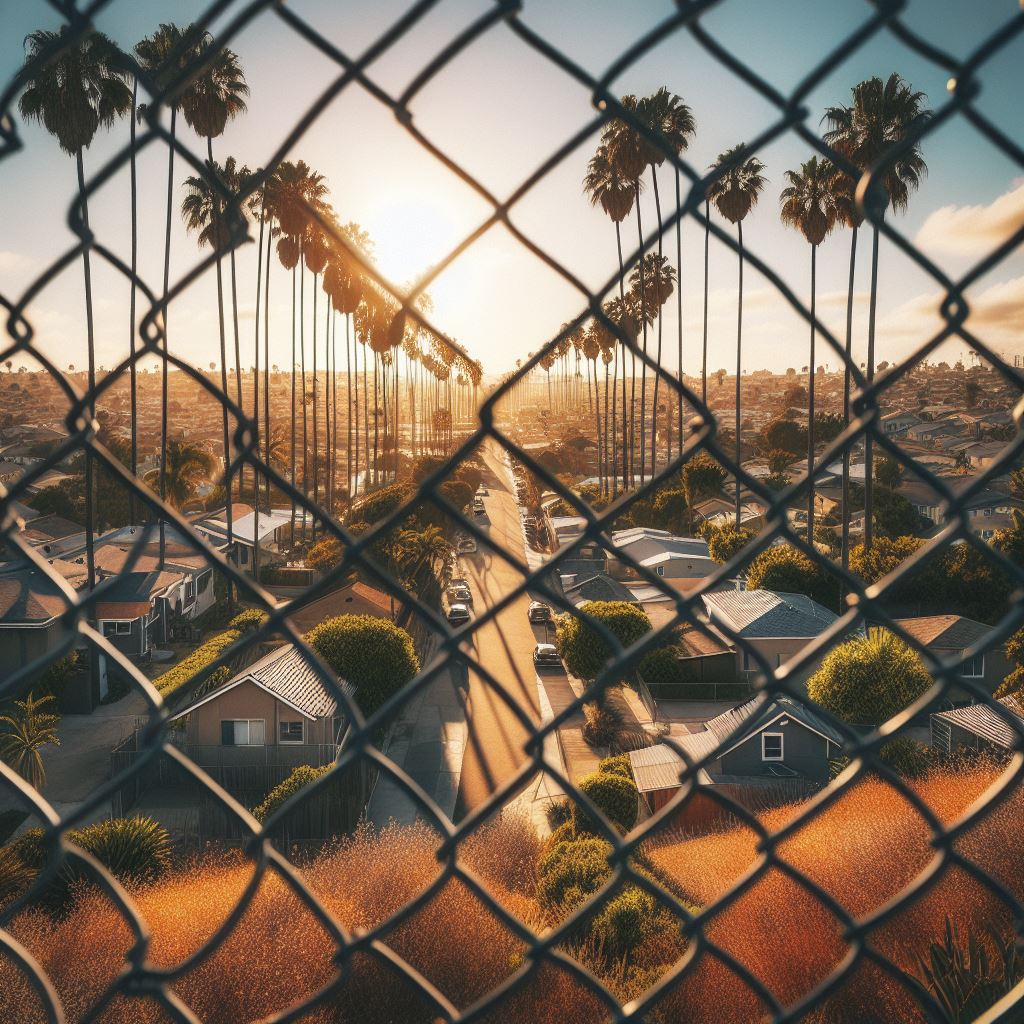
[{"x": 789, "y": 114}]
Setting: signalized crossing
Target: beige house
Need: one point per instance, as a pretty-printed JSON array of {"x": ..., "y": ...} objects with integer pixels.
[{"x": 277, "y": 709}]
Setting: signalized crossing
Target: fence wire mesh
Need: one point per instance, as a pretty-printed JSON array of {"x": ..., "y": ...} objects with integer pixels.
[{"x": 551, "y": 946}]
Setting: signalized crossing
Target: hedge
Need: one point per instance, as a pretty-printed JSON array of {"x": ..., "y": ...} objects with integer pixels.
[
  {"x": 615, "y": 797},
  {"x": 572, "y": 871},
  {"x": 251, "y": 618},
  {"x": 300, "y": 777},
  {"x": 619, "y": 764},
  {"x": 374, "y": 655},
  {"x": 186, "y": 669},
  {"x": 583, "y": 649}
]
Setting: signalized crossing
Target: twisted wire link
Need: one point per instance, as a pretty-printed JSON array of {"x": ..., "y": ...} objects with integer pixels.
[{"x": 790, "y": 115}]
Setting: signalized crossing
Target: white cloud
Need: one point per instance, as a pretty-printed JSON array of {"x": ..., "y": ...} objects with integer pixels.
[{"x": 973, "y": 230}]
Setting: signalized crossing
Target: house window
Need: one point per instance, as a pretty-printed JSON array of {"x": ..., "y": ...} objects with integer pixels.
[
  {"x": 290, "y": 732},
  {"x": 747, "y": 667},
  {"x": 242, "y": 732},
  {"x": 204, "y": 582},
  {"x": 974, "y": 668},
  {"x": 661, "y": 570},
  {"x": 771, "y": 746},
  {"x": 117, "y": 628}
]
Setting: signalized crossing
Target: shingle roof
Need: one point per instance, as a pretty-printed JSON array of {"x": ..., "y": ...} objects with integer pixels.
[
  {"x": 740, "y": 722},
  {"x": 948, "y": 632},
  {"x": 29, "y": 597},
  {"x": 767, "y": 613},
  {"x": 286, "y": 674},
  {"x": 983, "y": 722},
  {"x": 599, "y": 587}
]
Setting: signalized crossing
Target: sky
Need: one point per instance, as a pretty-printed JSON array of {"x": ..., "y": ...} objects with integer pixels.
[{"x": 498, "y": 110}]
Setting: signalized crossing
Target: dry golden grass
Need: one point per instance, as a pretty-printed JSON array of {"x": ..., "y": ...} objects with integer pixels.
[{"x": 862, "y": 851}]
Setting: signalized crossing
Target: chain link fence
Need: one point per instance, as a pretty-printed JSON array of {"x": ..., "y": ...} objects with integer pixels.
[{"x": 552, "y": 946}]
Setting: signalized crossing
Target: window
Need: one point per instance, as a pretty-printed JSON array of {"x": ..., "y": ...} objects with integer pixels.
[
  {"x": 290, "y": 732},
  {"x": 661, "y": 570},
  {"x": 204, "y": 582},
  {"x": 117, "y": 628},
  {"x": 974, "y": 668},
  {"x": 747, "y": 667},
  {"x": 242, "y": 732},
  {"x": 771, "y": 746}
]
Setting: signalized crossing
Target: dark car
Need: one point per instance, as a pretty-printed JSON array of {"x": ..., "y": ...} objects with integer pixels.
[
  {"x": 539, "y": 612},
  {"x": 546, "y": 656}
]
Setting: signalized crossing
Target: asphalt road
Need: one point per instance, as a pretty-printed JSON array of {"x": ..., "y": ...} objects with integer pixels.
[{"x": 504, "y": 646}]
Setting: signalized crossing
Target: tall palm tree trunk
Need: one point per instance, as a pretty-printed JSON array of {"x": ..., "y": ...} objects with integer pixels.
[
  {"x": 625, "y": 423},
  {"x": 305, "y": 406},
  {"x": 810, "y": 405},
  {"x": 869, "y": 483},
  {"x": 739, "y": 371},
  {"x": 90, "y": 337},
  {"x": 366, "y": 417},
  {"x": 266, "y": 373},
  {"x": 846, "y": 399},
  {"x": 679, "y": 317},
  {"x": 166, "y": 311},
  {"x": 224, "y": 374},
  {"x": 133, "y": 371},
  {"x": 643, "y": 362},
  {"x": 256, "y": 348},
  {"x": 349, "y": 485},
  {"x": 294, "y": 461},
  {"x": 657, "y": 375},
  {"x": 704, "y": 345}
]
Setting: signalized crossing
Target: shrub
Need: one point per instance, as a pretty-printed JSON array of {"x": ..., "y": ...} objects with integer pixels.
[
  {"x": 624, "y": 921},
  {"x": 867, "y": 680},
  {"x": 186, "y": 669},
  {"x": 55, "y": 679},
  {"x": 571, "y": 871},
  {"x": 301, "y": 776},
  {"x": 583, "y": 649},
  {"x": 558, "y": 812},
  {"x": 615, "y": 797},
  {"x": 784, "y": 568},
  {"x": 374, "y": 655},
  {"x": 564, "y": 833},
  {"x": 602, "y": 724},
  {"x": 906, "y": 757},
  {"x": 324, "y": 555},
  {"x": 725, "y": 541},
  {"x": 250, "y": 619},
  {"x": 133, "y": 849},
  {"x": 15, "y": 875},
  {"x": 617, "y": 765},
  {"x": 661, "y": 667}
]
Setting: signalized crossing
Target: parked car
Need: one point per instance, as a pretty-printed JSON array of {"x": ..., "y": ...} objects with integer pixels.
[
  {"x": 482, "y": 492},
  {"x": 460, "y": 595},
  {"x": 478, "y": 505},
  {"x": 546, "y": 656},
  {"x": 467, "y": 546},
  {"x": 458, "y": 613},
  {"x": 458, "y": 581},
  {"x": 539, "y": 612}
]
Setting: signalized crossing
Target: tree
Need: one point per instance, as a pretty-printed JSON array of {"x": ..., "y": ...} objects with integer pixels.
[
  {"x": 671, "y": 509},
  {"x": 872, "y": 135},
  {"x": 784, "y": 569},
  {"x": 187, "y": 467},
  {"x": 894, "y": 515},
  {"x": 27, "y": 729},
  {"x": 888, "y": 472},
  {"x": 868, "y": 680},
  {"x": 74, "y": 87},
  {"x": 783, "y": 435},
  {"x": 810, "y": 205},
  {"x": 372, "y": 654},
  {"x": 735, "y": 192},
  {"x": 725, "y": 541},
  {"x": 1013, "y": 684},
  {"x": 585, "y": 651},
  {"x": 703, "y": 478},
  {"x": 1010, "y": 541}
]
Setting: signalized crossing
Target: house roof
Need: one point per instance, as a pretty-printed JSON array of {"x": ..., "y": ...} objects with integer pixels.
[
  {"x": 980, "y": 720},
  {"x": 697, "y": 644},
  {"x": 690, "y": 546},
  {"x": 738, "y": 724},
  {"x": 768, "y": 613},
  {"x": 44, "y": 529},
  {"x": 285, "y": 674},
  {"x": 30, "y": 598},
  {"x": 598, "y": 587},
  {"x": 245, "y": 528},
  {"x": 947, "y": 632},
  {"x": 355, "y": 599},
  {"x": 660, "y": 767}
]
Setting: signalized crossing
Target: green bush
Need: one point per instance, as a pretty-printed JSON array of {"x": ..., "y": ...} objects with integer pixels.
[
  {"x": 583, "y": 649},
  {"x": 618, "y": 764},
  {"x": 133, "y": 849},
  {"x": 624, "y": 922},
  {"x": 558, "y": 812},
  {"x": 301, "y": 776},
  {"x": 15, "y": 875},
  {"x": 661, "y": 667},
  {"x": 186, "y": 669},
  {"x": 615, "y": 797},
  {"x": 250, "y": 619},
  {"x": 564, "y": 833},
  {"x": 571, "y": 871},
  {"x": 868, "y": 680},
  {"x": 725, "y": 541},
  {"x": 785, "y": 569},
  {"x": 906, "y": 757},
  {"x": 374, "y": 655}
]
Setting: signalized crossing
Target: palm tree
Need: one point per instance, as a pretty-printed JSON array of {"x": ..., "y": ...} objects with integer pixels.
[
  {"x": 27, "y": 730},
  {"x": 74, "y": 88},
  {"x": 672, "y": 123},
  {"x": 811, "y": 205},
  {"x": 163, "y": 56},
  {"x": 872, "y": 135},
  {"x": 188, "y": 467},
  {"x": 735, "y": 192}
]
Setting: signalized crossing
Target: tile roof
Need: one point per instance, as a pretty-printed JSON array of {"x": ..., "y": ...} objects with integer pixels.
[
  {"x": 286, "y": 674},
  {"x": 355, "y": 599},
  {"x": 768, "y": 613},
  {"x": 983, "y": 722},
  {"x": 947, "y": 632}
]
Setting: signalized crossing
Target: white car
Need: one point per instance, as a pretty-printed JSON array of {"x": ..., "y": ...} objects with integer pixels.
[
  {"x": 546, "y": 656},
  {"x": 458, "y": 613}
]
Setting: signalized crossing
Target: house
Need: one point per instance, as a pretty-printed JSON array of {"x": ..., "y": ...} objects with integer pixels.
[
  {"x": 896, "y": 423},
  {"x": 753, "y": 750},
  {"x": 566, "y": 529},
  {"x": 949, "y": 636},
  {"x": 31, "y": 607},
  {"x": 354, "y": 599},
  {"x": 595, "y": 587},
  {"x": 279, "y": 702},
  {"x": 54, "y": 535},
  {"x": 722, "y": 512},
  {"x": 776, "y": 625},
  {"x": 135, "y": 610},
  {"x": 268, "y": 529},
  {"x": 684, "y": 560},
  {"x": 978, "y": 728}
]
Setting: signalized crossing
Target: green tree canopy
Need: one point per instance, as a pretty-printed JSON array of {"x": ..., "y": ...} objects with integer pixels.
[
  {"x": 868, "y": 680},
  {"x": 783, "y": 568},
  {"x": 785, "y": 435},
  {"x": 725, "y": 541},
  {"x": 584, "y": 651},
  {"x": 374, "y": 655}
]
